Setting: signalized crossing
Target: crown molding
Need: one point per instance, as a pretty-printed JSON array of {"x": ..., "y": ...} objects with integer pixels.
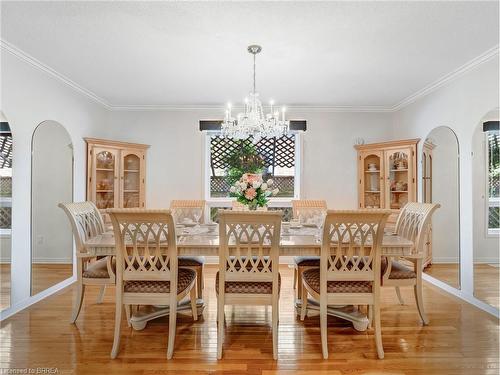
[
  {"x": 220, "y": 108},
  {"x": 474, "y": 63},
  {"x": 9, "y": 47},
  {"x": 484, "y": 57}
]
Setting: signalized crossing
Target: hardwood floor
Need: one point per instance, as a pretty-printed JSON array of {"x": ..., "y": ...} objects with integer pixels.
[
  {"x": 44, "y": 275},
  {"x": 459, "y": 340},
  {"x": 445, "y": 272},
  {"x": 4, "y": 286},
  {"x": 487, "y": 283}
]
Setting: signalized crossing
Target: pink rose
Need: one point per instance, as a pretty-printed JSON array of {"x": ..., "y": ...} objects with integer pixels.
[
  {"x": 250, "y": 193},
  {"x": 251, "y": 178}
]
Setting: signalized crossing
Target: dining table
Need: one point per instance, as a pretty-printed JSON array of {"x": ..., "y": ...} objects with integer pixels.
[{"x": 203, "y": 240}]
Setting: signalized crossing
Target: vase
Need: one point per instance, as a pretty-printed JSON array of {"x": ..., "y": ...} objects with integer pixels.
[{"x": 252, "y": 206}]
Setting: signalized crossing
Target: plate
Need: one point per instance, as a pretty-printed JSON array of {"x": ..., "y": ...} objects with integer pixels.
[
  {"x": 295, "y": 226},
  {"x": 310, "y": 225},
  {"x": 189, "y": 225}
]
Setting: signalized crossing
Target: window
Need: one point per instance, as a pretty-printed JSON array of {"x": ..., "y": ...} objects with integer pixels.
[
  {"x": 5, "y": 180},
  {"x": 280, "y": 157},
  {"x": 493, "y": 181}
]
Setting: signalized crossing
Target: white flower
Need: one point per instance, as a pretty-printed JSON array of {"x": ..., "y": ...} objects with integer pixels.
[
  {"x": 276, "y": 191},
  {"x": 270, "y": 182},
  {"x": 232, "y": 189},
  {"x": 256, "y": 184},
  {"x": 263, "y": 186},
  {"x": 243, "y": 185}
]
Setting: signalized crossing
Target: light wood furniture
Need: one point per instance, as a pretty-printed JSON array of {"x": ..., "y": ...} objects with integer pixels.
[
  {"x": 248, "y": 265},
  {"x": 146, "y": 267},
  {"x": 299, "y": 208},
  {"x": 290, "y": 245},
  {"x": 350, "y": 269},
  {"x": 116, "y": 173},
  {"x": 182, "y": 209},
  {"x": 427, "y": 196},
  {"x": 387, "y": 175},
  {"x": 462, "y": 340},
  {"x": 413, "y": 224},
  {"x": 87, "y": 223}
]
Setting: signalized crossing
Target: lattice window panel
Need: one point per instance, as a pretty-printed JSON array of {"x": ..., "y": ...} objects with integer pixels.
[
  {"x": 5, "y": 150},
  {"x": 276, "y": 152},
  {"x": 5, "y": 186},
  {"x": 5, "y": 217}
]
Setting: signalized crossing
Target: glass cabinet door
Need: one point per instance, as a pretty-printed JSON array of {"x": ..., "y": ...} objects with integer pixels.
[
  {"x": 372, "y": 180},
  {"x": 399, "y": 175},
  {"x": 132, "y": 179},
  {"x": 105, "y": 177}
]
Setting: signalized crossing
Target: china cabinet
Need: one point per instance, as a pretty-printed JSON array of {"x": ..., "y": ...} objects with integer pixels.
[
  {"x": 387, "y": 175},
  {"x": 116, "y": 173}
]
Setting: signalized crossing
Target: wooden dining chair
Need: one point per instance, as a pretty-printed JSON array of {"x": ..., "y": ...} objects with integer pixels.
[
  {"x": 147, "y": 272},
  {"x": 350, "y": 267},
  {"x": 413, "y": 223},
  {"x": 248, "y": 265},
  {"x": 182, "y": 209},
  {"x": 86, "y": 223},
  {"x": 302, "y": 263}
]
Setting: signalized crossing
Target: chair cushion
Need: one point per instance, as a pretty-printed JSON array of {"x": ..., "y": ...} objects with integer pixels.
[
  {"x": 98, "y": 269},
  {"x": 398, "y": 270},
  {"x": 310, "y": 261},
  {"x": 312, "y": 279},
  {"x": 247, "y": 287},
  {"x": 184, "y": 278},
  {"x": 184, "y": 261}
]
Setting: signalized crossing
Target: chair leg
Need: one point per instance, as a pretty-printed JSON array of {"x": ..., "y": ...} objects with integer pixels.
[
  {"x": 118, "y": 323},
  {"x": 172, "y": 322},
  {"x": 100, "y": 296},
  {"x": 194, "y": 308},
  {"x": 199, "y": 281},
  {"x": 370, "y": 316},
  {"x": 77, "y": 305},
  {"x": 303, "y": 308},
  {"x": 275, "y": 321},
  {"x": 299, "y": 282},
  {"x": 400, "y": 297},
  {"x": 220, "y": 326},
  {"x": 378, "y": 331},
  {"x": 295, "y": 285},
  {"x": 128, "y": 313},
  {"x": 323, "y": 317},
  {"x": 420, "y": 301}
]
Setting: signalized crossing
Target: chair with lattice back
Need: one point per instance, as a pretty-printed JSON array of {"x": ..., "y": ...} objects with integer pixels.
[
  {"x": 350, "y": 267},
  {"x": 303, "y": 208},
  {"x": 86, "y": 223},
  {"x": 147, "y": 270},
  {"x": 413, "y": 223},
  {"x": 182, "y": 210},
  {"x": 248, "y": 265}
]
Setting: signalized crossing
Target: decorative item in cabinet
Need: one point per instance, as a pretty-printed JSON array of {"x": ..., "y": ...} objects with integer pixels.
[{"x": 116, "y": 173}]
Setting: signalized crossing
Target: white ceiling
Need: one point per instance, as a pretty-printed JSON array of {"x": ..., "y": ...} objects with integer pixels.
[{"x": 186, "y": 53}]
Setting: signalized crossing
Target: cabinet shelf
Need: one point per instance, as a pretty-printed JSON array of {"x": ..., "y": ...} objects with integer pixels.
[
  {"x": 105, "y": 169},
  {"x": 368, "y": 171},
  {"x": 131, "y": 191},
  {"x": 399, "y": 191},
  {"x": 132, "y": 170},
  {"x": 399, "y": 170},
  {"x": 104, "y": 191},
  {"x": 372, "y": 191}
]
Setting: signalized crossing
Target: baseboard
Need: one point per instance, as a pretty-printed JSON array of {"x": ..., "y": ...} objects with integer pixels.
[
  {"x": 491, "y": 260},
  {"x": 52, "y": 261},
  {"x": 453, "y": 260}
]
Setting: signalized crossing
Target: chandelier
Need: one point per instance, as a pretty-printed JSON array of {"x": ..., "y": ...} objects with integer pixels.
[{"x": 253, "y": 122}]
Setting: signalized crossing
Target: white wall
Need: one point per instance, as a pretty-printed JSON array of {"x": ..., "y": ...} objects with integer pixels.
[
  {"x": 175, "y": 160},
  {"x": 445, "y": 188},
  {"x": 28, "y": 97},
  {"x": 486, "y": 249},
  {"x": 52, "y": 183},
  {"x": 460, "y": 104}
]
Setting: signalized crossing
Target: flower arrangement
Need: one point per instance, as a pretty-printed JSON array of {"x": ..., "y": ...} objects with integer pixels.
[{"x": 250, "y": 190}]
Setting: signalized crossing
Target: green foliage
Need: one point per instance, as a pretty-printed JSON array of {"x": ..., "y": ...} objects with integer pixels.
[{"x": 243, "y": 159}]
